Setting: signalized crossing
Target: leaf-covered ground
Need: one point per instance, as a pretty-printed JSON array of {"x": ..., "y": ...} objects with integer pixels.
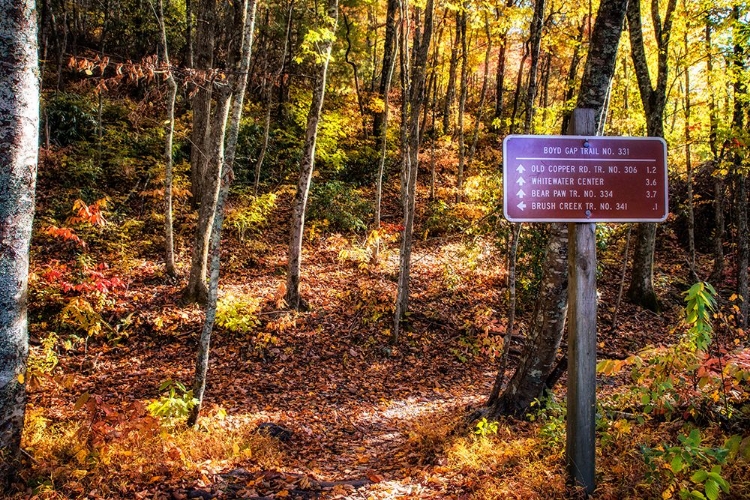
[{"x": 346, "y": 414}]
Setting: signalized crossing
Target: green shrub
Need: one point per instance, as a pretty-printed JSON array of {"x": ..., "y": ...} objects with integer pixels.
[
  {"x": 237, "y": 314},
  {"x": 341, "y": 205},
  {"x": 252, "y": 215},
  {"x": 70, "y": 118}
]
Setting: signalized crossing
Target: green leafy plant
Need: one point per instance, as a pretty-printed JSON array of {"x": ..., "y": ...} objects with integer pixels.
[
  {"x": 341, "y": 205},
  {"x": 484, "y": 428},
  {"x": 175, "y": 404},
  {"x": 252, "y": 215},
  {"x": 551, "y": 414},
  {"x": 668, "y": 379},
  {"x": 237, "y": 314},
  {"x": 701, "y": 304},
  {"x": 689, "y": 459}
]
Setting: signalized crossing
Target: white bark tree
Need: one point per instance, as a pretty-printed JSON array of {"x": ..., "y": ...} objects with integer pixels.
[
  {"x": 226, "y": 159},
  {"x": 19, "y": 140}
]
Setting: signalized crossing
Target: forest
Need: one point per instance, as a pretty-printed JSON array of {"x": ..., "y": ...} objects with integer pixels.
[{"x": 257, "y": 249}]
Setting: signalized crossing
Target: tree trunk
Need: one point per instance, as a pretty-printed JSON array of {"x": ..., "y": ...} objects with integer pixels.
[
  {"x": 383, "y": 142},
  {"x": 462, "y": 104},
  {"x": 483, "y": 93},
  {"x": 570, "y": 81},
  {"x": 641, "y": 290},
  {"x": 689, "y": 167},
  {"x": 169, "y": 264},
  {"x": 538, "y": 360},
  {"x": 450, "y": 92},
  {"x": 197, "y": 288},
  {"x": 189, "y": 33},
  {"x": 740, "y": 174},
  {"x": 355, "y": 73},
  {"x": 535, "y": 42},
  {"x": 19, "y": 128},
  {"x": 226, "y": 162},
  {"x": 215, "y": 122},
  {"x": 201, "y": 102},
  {"x": 497, "y": 387},
  {"x": 545, "y": 335},
  {"x": 389, "y": 60},
  {"x": 410, "y": 150},
  {"x": 269, "y": 100},
  {"x": 717, "y": 271},
  {"x": 519, "y": 86},
  {"x": 500, "y": 76},
  {"x": 293, "y": 298}
]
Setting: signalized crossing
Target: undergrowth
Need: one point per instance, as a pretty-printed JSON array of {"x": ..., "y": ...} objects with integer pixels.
[{"x": 117, "y": 454}]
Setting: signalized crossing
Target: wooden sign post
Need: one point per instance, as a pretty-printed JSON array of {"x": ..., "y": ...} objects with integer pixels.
[
  {"x": 582, "y": 179},
  {"x": 580, "y": 442}
]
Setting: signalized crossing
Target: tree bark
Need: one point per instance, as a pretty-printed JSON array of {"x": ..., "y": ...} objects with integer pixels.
[
  {"x": 450, "y": 92},
  {"x": 462, "y": 103},
  {"x": 226, "y": 159},
  {"x": 535, "y": 42},
  {"x": 717, "y": 270},
  {"x": 548, "y": 323},
  {"x": 740, "y": 173},
  {"x": 269, "y": 99},
  {"x": 383, "y": 144},
  {"x": 389, "y": 58},
  {"x": 410, "y": 151},
  {"x": 355, "y": 73},
  {"x": 483, "y": 93},
  {"x": 689, "y": 164},
  {"x": 210, "y": 113},
  {"x": 570, "y": 82},
  {"x": 197, "y": 288},
  {"x": 293, "y": 298},
  {"x": 641, "y": 290},
  {"x": 169, "y": 263},
  {"x": 201, "y": 102},
  {"x": 19, "y": 128}
]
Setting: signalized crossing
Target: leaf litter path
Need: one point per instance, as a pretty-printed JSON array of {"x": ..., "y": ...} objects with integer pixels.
[{"x": 356, "y": 406}]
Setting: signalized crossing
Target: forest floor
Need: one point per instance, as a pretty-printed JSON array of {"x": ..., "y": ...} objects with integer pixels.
[{"x": 354, "y": 416}]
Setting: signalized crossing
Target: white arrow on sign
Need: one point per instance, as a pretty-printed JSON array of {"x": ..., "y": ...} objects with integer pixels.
[
  {"x": 520, "y": 193},
  {"x": 520, "y": 169},
  {"x": 520, "y": 181},
  {"x": 521, "y": 205}
]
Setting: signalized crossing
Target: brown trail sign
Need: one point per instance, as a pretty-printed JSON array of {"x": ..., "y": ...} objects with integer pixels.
[
  {"x": 581, "y": 180},
  {"x": 584, "y": 179}
]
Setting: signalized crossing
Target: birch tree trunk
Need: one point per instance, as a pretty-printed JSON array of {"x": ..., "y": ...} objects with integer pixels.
[
  {"x": 168, "y": 161},
  {"x": 210, "y": 112},
  {"x": 227, "y": 175},
  {"x": 293, "y": 298},
  {"x": 19, "y": 129}
]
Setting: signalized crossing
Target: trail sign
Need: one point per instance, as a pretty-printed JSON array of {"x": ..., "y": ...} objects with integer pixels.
[{"x": 572, "y": 178}]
